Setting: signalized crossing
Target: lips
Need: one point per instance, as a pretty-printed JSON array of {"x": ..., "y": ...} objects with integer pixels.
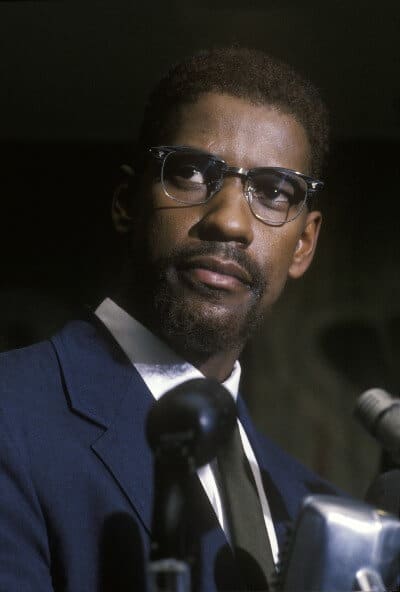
[{"x": 220, "y": 274}]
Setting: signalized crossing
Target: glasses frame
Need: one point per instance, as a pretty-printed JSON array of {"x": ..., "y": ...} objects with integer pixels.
[{"x": 161, "y": 154}]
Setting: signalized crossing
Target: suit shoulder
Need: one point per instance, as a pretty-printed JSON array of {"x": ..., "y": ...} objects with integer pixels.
[
  {"x": 27, "y": 370},
  {"x": 24, "y": 357}
]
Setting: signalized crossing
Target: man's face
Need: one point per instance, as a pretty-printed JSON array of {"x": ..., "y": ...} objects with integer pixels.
[{"x": 209, "y": 272}]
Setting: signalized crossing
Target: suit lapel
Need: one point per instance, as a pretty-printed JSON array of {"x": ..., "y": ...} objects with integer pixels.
[
  {"x": 104, "y": 388},
  {"x": 124, "y": 450}
]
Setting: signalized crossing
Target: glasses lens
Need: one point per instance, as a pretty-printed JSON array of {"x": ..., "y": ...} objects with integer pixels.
[
  {"x": 276, "y": 196},
  {"x": 190, "y": 177}
]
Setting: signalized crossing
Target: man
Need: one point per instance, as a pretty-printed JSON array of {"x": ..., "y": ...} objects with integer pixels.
[{"x": 215, "y": 216}]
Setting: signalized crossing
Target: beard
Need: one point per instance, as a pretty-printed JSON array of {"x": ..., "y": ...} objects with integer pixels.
[{"x": 198, "y": 322}]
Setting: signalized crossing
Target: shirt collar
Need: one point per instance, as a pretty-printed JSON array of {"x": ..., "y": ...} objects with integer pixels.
[{"x": 159, "y": 366}]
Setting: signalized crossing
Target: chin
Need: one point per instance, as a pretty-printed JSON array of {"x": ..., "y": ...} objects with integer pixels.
[{"x": 205, "y": 328}]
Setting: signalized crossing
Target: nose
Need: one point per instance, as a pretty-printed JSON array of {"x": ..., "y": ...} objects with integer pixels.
[{"x": 226, "y": 216}]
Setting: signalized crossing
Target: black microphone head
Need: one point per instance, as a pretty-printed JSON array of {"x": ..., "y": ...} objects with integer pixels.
[{"x": 193, "y": 419}]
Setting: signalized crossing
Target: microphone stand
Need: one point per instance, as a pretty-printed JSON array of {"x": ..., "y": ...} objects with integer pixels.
[
  {"x": 174, "y": 466},
  {"x": 184, "y": 429}
]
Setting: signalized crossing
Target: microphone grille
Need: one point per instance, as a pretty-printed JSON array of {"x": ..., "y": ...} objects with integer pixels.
[{"x": 370, "y": 406}]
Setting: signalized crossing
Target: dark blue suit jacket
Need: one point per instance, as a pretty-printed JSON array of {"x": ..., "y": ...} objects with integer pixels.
[{"x": 76, "y": 473}]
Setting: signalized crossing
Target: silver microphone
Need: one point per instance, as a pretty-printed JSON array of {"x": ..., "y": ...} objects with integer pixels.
[{"x": 341, "y": 545}]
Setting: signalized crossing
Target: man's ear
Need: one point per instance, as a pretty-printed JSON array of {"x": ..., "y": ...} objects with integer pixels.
[
  {"x": 306, "y": 245},
  {"x": 120, "y": 208}
]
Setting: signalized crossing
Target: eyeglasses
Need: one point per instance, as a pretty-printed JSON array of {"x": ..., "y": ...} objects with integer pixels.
[{"x": 275, "y": 195}]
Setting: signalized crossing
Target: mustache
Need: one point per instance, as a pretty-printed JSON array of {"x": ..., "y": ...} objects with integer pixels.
[{"x": 225, "y": 251}]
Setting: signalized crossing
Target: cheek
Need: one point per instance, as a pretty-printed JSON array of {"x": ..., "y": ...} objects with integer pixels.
[
  {"x": 167, "y": 229},
  {"x": 277, "y": 247}
]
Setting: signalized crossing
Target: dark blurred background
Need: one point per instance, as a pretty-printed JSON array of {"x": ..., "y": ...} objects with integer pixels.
[{"x": 74, "y": 78}]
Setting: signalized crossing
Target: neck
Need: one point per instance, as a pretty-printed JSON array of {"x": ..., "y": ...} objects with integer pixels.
[{"x": 218, "y": 365}]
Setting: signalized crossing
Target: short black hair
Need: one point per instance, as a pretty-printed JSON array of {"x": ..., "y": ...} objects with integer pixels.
[{"x": 246, "y": 73}]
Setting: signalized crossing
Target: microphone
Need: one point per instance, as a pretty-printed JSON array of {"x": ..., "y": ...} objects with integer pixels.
[
  {"x": 185, "y": 428},
  {"x": 191, "y": 421},
  {"x": 384, "y": 492},
  {"x": 341, "y": 544},
  {"x": 379, "y": 413}
]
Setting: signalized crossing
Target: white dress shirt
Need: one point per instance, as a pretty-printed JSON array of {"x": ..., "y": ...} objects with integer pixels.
[{"x": 162, "y": 369}]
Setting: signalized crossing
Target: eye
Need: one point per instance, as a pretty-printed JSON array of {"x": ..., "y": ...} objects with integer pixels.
[
  {"x": 277, "y": 189},
  {"x": 272, "y": 193},
  {"x": 280, "y": 194},
  {"x": 276, "y": 195},
  {"x": 189, "y": 173}
]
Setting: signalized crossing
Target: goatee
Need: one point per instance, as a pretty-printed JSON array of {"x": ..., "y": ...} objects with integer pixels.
[{"x": 200, "y": 324}]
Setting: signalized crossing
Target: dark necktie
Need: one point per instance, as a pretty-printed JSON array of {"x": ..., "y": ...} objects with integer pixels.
[{"x": 249, "y": 536}]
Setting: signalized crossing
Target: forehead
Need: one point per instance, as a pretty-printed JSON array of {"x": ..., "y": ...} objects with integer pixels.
[{"x": 241, "y": 132}]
